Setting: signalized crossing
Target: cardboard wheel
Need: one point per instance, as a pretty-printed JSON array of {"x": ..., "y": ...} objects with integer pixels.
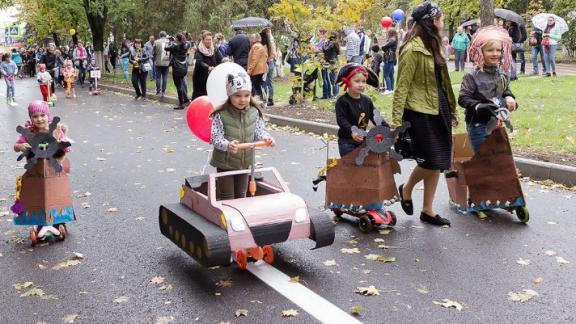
[
  {"x": 523, "y": 214},
  {"x": 365, "y": 224},
  {"x": 268, "y": 254},
  {"x": 241, "y": 259}
]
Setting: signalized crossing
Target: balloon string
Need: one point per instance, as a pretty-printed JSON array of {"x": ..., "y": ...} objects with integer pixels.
[{"x": 205, "y": 165}]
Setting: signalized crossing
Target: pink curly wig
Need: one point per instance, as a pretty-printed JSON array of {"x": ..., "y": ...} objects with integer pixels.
[{"x": 485, "y": 35}]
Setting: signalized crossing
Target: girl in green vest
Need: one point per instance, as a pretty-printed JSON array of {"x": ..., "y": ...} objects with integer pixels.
[{"x": 237, "y": 121}]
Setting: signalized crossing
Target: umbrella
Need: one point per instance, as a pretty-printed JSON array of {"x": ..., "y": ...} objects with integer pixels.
[
  {"x": 509, "y": 15},
  {"x": 471, "y": 22},
  {"x": 251, "y": 22},
  {"x": 540, "y": 21}
]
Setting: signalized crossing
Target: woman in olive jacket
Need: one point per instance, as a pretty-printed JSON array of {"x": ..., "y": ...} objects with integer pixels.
[{"x": 424, "y": 97}]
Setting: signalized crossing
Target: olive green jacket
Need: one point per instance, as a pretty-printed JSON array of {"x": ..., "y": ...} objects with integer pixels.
[
  {"x": 416, "y": 84},
  {"x": 239, "y": 125}
]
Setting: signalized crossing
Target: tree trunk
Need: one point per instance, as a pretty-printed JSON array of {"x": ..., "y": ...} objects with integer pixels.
[
  {"x": 486, "y": 12},
  {"x": 97, "y": 20},
  {"x": 56, "y": 39}
]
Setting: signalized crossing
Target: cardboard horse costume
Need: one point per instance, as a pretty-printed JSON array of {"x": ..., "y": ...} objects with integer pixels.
[
  {"x": 43, "y": 195},
  {"x": 488, "y": 179}
]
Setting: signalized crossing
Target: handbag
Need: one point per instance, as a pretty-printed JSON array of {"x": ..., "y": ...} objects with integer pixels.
[
  {"x": 146, "y": 67},
  {"x": 405, "y": 145},
  {"x": 546, "y": 41}
]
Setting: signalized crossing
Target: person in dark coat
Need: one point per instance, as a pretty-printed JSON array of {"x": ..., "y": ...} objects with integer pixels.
[
  {"x": 49, "y": 59},
  {"x": 178, "y": 50},
  {"x": 206, "y": 57},
  {"x": 140, "y": 66},
  {"x": 239, "y": 48}
]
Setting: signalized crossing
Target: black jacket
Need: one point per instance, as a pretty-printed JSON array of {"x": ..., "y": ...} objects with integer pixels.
[
  {"x": 49, "y": 59},
  {"x": 354, "y": 112},
  {"x": 389, "y": 50},
  {"x": 238, "y": 48},
  {"x": 481, "y": 87},
  {"x": 178, "y": 58},
  {"x": 331, "y": 50},
  {"x": 517, "y": 33}
]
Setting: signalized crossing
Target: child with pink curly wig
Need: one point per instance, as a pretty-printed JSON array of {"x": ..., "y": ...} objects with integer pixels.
[{"x": 487, "y": 88}]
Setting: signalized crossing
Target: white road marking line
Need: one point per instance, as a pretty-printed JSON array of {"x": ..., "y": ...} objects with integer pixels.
[{"x": 312, "y": 303}]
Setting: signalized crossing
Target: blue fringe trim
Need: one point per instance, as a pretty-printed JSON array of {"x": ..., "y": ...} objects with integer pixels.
[{"x": 66, "y": 215}]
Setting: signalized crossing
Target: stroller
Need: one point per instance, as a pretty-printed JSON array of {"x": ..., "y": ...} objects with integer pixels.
[{"x": 311, "y": 77}]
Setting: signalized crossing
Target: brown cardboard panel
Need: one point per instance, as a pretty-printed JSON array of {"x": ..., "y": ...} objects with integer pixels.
[
  {"x": 371, "y": 183},
  {"x": 491, "y": 173},
  {"x": 461, "y": 148}
]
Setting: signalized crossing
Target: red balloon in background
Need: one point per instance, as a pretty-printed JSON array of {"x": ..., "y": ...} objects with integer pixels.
[
  {"x": 198, "y": 117},
  {"x": 386, "y": 22}
]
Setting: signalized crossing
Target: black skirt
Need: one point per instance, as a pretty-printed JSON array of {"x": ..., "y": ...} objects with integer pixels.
[{"x": 432, "y": 134}]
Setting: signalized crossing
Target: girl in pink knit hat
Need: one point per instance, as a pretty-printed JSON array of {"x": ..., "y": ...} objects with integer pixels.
[{"x": 43, "y": 196}]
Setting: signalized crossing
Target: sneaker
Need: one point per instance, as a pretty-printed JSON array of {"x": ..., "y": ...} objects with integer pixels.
[
  {"x": 553, "y": 73},
  {"x": 271, "y": 103},
  {"x": 388, "y": 92},
  {"x": 137, "y": 97},
  {"x": 157, "y": 93},
  {"x": 548, "y": 74}
]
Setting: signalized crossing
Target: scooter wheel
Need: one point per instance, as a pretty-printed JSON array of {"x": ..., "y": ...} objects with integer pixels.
[
  {"x": 391, "y": 217},
  {"x": 62, "y": 230},
  {"x": 268, "y": 254},
  {"x": 241, "y": 259},
  {"x": 365, "y": 224},
  {"x": 33, "y": 237},
  {"x": 523, "y": 214}
]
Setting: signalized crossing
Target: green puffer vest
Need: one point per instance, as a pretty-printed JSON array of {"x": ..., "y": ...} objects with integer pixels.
[{"x": 240, "y": 125}]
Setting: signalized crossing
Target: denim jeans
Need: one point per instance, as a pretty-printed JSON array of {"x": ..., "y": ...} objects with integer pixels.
[
  {"x": 550, "y": 58},
  {"x": 269, "y": 83},
  {"x": 153, "y": 71},
  {"x": 476, "y": 134},
  {"x": 389, "y": 75},
  {"x": 346, "y": 145},
  {"x": 124, "y": 64},
  {"x": 161, "y": 78},
  {"x": 535, "y": 50},
  {"x": 329, "y": 86},
  {"x": 459, "y": 59},
  {"x": 9, "y": 88}
]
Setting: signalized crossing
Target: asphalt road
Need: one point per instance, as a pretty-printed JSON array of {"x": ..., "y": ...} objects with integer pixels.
[{"x": 120, "y": 157}]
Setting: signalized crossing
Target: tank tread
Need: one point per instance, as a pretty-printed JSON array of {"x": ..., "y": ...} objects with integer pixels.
[
  {"x": 322, "y": 231},
  {"x": 204, "y": 241}
]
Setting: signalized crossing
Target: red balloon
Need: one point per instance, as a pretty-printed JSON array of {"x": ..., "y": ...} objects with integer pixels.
[
  {"x": 198, "y": 117},
  {"x": 386, "y": 22}
]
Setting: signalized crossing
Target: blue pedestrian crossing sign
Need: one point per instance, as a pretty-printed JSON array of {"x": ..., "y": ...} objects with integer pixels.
[{"x": 14, "y": 30}]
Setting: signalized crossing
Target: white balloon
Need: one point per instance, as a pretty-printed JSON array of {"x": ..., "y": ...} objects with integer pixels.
[{"x": 216, "y": 84}]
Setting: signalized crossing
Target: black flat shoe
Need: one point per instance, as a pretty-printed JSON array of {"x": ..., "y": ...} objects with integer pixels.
[
  {"x": 434, "y": 220},
  {"x": 407, "y": 205},
  {"x": 178, "y": 108}
]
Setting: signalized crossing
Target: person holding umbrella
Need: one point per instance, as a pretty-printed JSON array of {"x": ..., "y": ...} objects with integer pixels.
[{"x": 550, "y": 39}]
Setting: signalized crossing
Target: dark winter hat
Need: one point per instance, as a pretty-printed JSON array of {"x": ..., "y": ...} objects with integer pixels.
[
  {"x": 349, "y": 70},
  {"x": 425, "y": 10}
]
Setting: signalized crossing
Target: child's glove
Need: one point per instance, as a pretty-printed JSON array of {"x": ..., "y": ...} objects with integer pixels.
[{"x": 484, "y": 112}]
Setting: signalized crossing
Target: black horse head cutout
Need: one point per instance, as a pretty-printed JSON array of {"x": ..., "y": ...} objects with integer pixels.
[{"x": 42, "y": 146}]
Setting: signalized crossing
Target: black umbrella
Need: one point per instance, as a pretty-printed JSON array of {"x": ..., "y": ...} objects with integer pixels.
[
  {"x": 469, "y": 23},
  {"x": 251, "y": 22},
  {"x": 509, "y": 15}
]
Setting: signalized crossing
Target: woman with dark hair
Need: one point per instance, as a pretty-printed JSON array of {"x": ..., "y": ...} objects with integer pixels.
[
  {"x": 49, "y": 58},
  {"x": 206, "y": 57},
  {"x": 424, "y": 97},
  {"x": 140, "y": 66},
  {"x": 125, "y": 58},
  {"x": 179, "y": 60},
  {"x": 270, "y": 45}
]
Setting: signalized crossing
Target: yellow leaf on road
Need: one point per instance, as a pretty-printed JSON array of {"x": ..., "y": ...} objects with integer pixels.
[
  {"x": 330, "y": 263},
  {"x": 289, "y": 313},
  {"x": 241, "y": 312},
  {"x": 33, "y": 292},
  {"x": 121, "y": 299},
  {"x": 157, "y": 280},
  {"x": 66, "y": 264},
  {"x": 70, "y": 318},
  {"x": 349, "y": 251},
  {"x": 367, "y": 291},
  {"x": 522, "y": 296},
  {"x": 448, "y": 303}
]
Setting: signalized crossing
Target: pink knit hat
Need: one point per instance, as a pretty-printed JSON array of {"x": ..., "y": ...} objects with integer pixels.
[{"x": 39, "y": 106}]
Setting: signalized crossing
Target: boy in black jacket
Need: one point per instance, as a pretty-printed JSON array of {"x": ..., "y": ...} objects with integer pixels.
[{"x": 354, "y": 108}]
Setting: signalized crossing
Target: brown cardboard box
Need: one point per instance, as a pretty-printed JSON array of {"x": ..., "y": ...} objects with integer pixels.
[
  {"x": 368, "y": 184},
  {"x": 457, "y": 188}
]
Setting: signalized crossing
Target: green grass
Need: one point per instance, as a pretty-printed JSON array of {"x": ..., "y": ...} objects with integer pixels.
[{"x": 545, "y": 121}]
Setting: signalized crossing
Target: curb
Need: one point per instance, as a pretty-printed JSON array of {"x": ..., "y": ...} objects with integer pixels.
[{"x": 534, "y": 169}]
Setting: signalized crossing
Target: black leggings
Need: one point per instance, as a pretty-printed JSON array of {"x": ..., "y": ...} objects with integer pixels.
[
  {"x": 181, "y": 89},
  {"x": 257, "y": 85},
  {"x": 139, "y": 82}
]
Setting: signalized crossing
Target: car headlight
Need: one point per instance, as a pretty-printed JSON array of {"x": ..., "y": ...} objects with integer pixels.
[{"x": 300, "y": 215}]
